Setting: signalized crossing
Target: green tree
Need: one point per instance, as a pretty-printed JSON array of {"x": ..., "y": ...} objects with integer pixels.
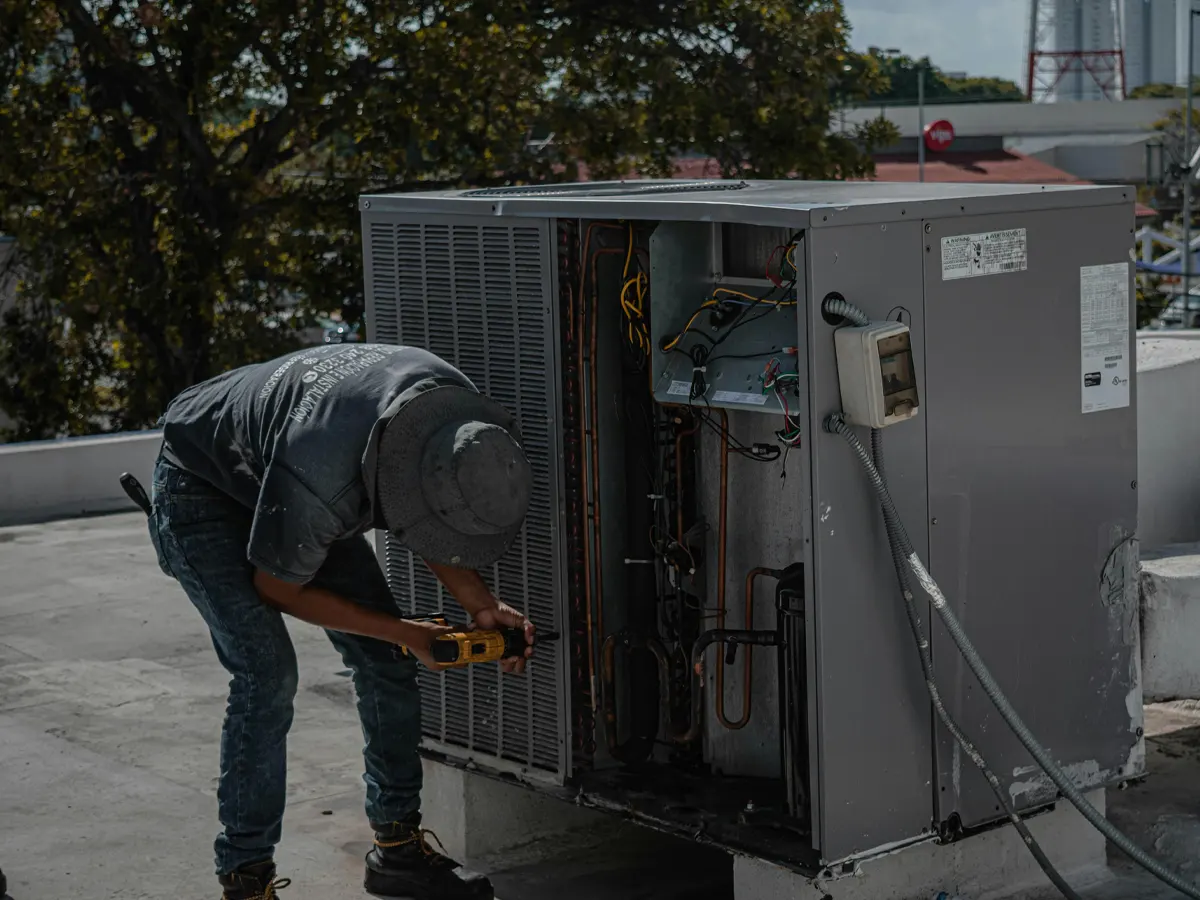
[
  {"x": 1156, "y": 91},
  {"x": 901, "y": 72},
  {"x": 181, "y": 175}
]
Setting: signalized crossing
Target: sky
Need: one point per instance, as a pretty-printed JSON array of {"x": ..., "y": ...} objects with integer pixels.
[{"x": 979, "y": 37}]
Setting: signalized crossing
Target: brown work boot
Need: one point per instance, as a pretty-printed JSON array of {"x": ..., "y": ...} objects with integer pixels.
[
  {"x": 404, "y": 863},
  {"x": 255, "y": 882}
]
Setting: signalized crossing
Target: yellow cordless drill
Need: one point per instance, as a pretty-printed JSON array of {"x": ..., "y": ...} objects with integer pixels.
[{"x": 463, "y": 648}]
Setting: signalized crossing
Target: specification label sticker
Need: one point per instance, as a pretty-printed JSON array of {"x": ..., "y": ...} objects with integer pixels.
[
  {"x": 1104, "y": 336},
  {"x": 679, "y": 389},
  {"x": 739, "y": 397},
  {"x": 990, "y": 253}
]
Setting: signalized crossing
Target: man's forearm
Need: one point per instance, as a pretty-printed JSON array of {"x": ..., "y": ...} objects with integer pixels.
[
  {"x": 466, "y": 586},
  {"x": 326, "y": 609}
]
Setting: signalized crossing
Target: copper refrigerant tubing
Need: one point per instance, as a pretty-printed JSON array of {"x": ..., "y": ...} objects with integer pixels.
[
  {"x": 748, "y": 620},
  {"x": 722, "y": 514},
  {"x": 589, "y": 444},
  {"x": 748, "y": 657},
  {"x": 594, "y": 413}
]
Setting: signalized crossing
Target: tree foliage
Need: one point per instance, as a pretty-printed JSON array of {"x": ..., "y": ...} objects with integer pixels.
[
  {"x": 901, "y": 73},
  {"x": 1157, "y": 90},
  {"x": 181, "y": 175}
]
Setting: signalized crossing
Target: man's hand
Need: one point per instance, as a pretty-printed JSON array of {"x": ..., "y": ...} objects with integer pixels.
[
  {"x": 501, "y": 615},
  {"x": 418, "y": 637},
  {"x": 473, "y": 595}
]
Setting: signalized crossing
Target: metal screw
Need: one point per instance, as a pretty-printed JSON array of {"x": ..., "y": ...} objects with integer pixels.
[
  {"x": 883, "y": 228},
  {"x": 1140, "y": 732},
  {"x": 1133, "y": 484},
  {"x": 929, "y": 228},
  {"x": 933, "y": 521},
  {"x": 366, "y": 204}
]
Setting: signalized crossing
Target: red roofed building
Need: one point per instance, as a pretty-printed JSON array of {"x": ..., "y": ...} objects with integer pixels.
[{"x": 982, "y": 164}]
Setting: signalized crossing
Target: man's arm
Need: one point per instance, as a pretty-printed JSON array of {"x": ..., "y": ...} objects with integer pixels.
[
  {"x": 471, "y": 591},
  {"x": 326, "y": 609}
]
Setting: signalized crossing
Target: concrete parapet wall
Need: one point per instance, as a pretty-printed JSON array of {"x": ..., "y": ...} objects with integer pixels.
[
  {"x": 45, "y": 480},
  {"x": 1168, "y": 397},
  {"x": 1171, "y": 623}
]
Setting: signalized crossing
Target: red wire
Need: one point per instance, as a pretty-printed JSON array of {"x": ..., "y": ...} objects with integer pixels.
[{"x": 774, "y": 279}]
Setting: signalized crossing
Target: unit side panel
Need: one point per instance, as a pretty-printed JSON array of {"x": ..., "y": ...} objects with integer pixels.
[
  {"x": 1033, "y": 502},
  {"x": 873, "y": 740},
  {"x": 480, "y": 293}
]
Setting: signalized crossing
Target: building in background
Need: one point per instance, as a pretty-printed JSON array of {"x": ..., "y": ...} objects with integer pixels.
[
  {"x": 1087, "y": 59},
  {"x": 1152, "y": 43},
  {"x": 1156, "y": 35},
  {"x": 1103, "y": 49},
  {"x": 1075, "y": 51},
  {"x": 1095, "y": 141}
]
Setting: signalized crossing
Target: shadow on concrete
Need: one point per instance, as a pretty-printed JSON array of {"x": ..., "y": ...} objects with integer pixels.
[{"x": 634, "y": 863}]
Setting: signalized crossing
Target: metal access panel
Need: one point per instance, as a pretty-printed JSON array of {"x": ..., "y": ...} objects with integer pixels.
[
  {"x": 686, "y": 271},
  {"x": 478, "y": 293},
  {"x": 872, "y": 758},
  {"x": 1032, "y": 434}
]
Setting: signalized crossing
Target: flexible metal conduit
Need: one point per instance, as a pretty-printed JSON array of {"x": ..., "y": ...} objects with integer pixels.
[{"x": 835, "y": 424}]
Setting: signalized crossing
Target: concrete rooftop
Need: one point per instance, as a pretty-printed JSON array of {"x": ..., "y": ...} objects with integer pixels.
[{"x": 110, "y": 706}]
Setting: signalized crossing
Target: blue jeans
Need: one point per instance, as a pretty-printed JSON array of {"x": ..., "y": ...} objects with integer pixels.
[{"x": 200, "y": 536}]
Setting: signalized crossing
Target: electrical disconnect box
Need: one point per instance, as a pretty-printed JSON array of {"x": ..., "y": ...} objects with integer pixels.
[{"x": 737, "y": 661}]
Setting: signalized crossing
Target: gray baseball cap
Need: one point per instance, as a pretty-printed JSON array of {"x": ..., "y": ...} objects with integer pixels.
[{"x": 451, "y": 479}]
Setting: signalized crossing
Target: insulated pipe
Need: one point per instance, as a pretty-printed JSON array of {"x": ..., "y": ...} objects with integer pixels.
[{"x": 835, "y": 424}]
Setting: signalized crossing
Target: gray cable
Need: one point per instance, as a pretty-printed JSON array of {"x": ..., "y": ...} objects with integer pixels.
[
  {"x": 935, "y": 696},
  {"x": 835, "y": 424}
]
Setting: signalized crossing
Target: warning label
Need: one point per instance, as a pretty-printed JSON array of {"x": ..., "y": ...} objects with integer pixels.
[
  {"x": 740, "y": 397},
  {"x": 990, "y": 253},
  {"x": 1104, "y": 336}
]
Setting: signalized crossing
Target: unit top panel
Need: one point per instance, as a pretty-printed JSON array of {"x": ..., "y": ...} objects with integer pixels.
[{"x": 793, "y": 203}]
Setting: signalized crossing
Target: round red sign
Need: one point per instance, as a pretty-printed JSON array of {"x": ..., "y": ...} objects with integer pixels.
[{"x": 939, "y": 135}]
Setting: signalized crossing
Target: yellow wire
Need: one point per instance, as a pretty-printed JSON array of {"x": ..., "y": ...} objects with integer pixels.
[
  {"x": 635, "y": 329},
  {"x": 755, "y": 299},
  {"x": 703, "y": 306},
  {"x": 737, "y": 294},
  {"x": 629, "y": 253}
]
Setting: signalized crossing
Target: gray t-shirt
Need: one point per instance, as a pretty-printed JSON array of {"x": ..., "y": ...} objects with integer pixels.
[{"x": 294, "y": 440}]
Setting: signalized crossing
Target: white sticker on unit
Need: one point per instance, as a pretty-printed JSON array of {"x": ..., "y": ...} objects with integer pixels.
[
  {"x": 738, "y": 397},
  {"x": 1104, "y": 326},
  {"x": 679, "y": 389},
  {"x": 989, "y": 253}
]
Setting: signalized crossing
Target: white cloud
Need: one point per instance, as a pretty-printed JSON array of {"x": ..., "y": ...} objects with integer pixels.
[{"x": 980, "y": 37}]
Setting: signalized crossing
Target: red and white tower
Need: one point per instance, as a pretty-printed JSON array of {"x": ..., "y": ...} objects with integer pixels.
[{"x": 1076, "y": 50}]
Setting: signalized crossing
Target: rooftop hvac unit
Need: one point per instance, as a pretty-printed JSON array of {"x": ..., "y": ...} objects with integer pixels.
[{"x": 737, "y": 661}]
